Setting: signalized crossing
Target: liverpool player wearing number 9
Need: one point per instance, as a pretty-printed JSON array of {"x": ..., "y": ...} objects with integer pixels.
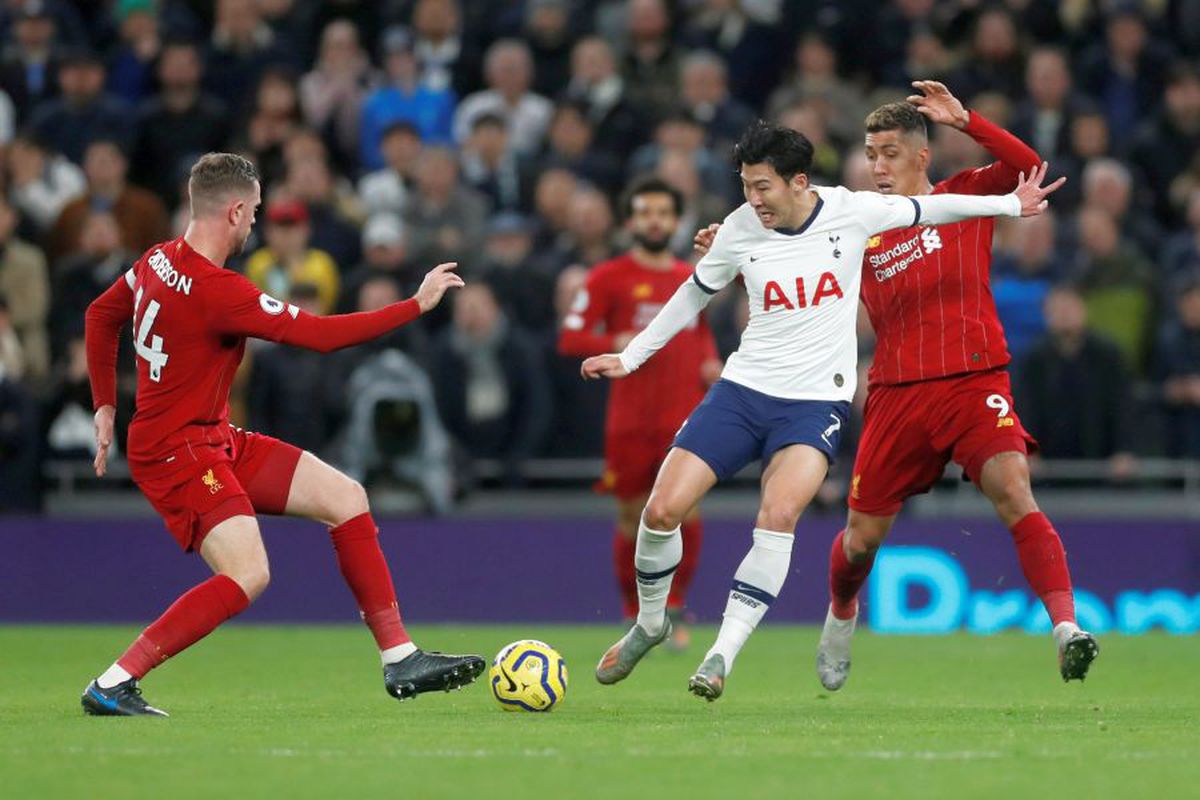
[
  {"x": 938, "y": 389},
  {"x": 208, "y": 479}
]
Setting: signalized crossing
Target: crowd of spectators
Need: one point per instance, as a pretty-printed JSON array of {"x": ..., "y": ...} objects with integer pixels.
[{"x": 396, "y": 134}]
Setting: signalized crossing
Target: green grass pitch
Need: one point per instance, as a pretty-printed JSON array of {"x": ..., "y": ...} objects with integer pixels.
[{"x": 300, "y": 712}]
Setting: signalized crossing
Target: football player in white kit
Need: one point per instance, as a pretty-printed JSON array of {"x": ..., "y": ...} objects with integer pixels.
[{"x": 784, "y": 395}]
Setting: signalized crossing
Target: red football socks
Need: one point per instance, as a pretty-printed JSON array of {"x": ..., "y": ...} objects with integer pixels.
[
  {"x": 356, "y": 543},
  {"x": 692, "y": 533},
  {"x": 623, "y": 550},
  {"x": 1044, "y": 562},
  {"x": 189, "y": 619},
  {"x": 845, "y": 579}
]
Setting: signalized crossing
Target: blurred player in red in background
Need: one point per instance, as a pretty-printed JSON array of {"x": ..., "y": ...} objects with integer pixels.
[
  {"x": 645, "y": 410},
  {"x": 207, "y": 479},
  {"x": 938, "y": 389}
]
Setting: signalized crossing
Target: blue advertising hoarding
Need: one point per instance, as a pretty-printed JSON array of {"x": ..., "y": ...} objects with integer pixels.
[{"x": 935, "y": 576}]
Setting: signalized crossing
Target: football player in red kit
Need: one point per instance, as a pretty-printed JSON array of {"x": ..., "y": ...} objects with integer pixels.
[
  {"x": 937, "y": 388},
  {"x": 646, "y": 410},
  {"x": 208, "y": 479}
]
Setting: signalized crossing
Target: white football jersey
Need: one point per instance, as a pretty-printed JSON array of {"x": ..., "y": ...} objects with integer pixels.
[{"x": 803, "y": 284}]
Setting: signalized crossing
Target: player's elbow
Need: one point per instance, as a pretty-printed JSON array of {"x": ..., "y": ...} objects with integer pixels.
[
  {"x": 93, "y": 315},
  {"x": 316, "y": 343}
]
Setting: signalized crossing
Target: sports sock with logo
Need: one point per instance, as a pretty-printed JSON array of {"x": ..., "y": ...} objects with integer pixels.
[
  {"x": 1044, "y": 562},
  {"x": 189, "y": 619},
  {"x": 755, "y": 586},
  {"x": 658, "y": 556},
  {"x": 356, "y": 543}
]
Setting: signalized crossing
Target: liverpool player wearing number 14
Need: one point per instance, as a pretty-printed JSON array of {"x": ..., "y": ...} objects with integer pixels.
[
  {"x": 208, "y": 479},
  {"x": 937, "y": 387}
]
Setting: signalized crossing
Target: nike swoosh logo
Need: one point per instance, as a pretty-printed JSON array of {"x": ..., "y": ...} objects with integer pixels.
[
  {"x": 512, "y": 685},
  {"x": 104, "y": 701},
  {"x": 754, "y": 258}
]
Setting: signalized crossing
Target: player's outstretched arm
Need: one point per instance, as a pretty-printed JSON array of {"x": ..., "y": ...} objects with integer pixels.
[
  {"x": 1027, "y": 200},
  {"x": 688, "y": 301},
  {"x": 241, "y": 309}
]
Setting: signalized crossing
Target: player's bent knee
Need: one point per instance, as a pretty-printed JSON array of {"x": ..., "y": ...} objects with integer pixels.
[
  {"x": 350, "y": 501},
  {"x": 1012, "y": 495},
  {"x": 356, "y": 499},
  {"x": 253, "y": 579},
  {"x": 660, "y": 515},
  {"x": 860, "y": 545},
  {"x": 781, "y": 518}
]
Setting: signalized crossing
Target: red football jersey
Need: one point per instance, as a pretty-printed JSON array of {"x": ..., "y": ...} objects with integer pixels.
[
  {"x": 622, "y": 296},
  {"x": 190, "y": 319},
  {"x": 927, "y": 289}
]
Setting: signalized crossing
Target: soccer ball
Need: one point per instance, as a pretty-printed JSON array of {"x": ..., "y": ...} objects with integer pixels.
[{"x": 528, "y": 676}]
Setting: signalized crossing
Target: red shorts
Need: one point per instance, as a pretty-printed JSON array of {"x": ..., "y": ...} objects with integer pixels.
[
  {"x": 251, "y": 474},
  {"x": 631, "y": 462},
  {"x": 912, "y": 430}
]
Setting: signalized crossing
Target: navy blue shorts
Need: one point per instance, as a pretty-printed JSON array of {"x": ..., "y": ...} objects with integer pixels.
[{"x": 735, "y": 425}]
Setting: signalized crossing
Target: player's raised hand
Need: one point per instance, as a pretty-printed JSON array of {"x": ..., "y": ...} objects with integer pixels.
[
  {"x": 1032, "y": 194},
  {"x": 605, "y": 366},
  {"x": 436, "y": 282},
  {"x": 704, "y": 238},
  {"x": 104, "y": 431},
  {"x": 938, "y": 105}
]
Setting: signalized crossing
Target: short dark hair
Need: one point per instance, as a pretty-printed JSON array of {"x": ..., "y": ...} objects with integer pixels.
[
  {"x": 650, "y": 185},
  {"x": 181, "y": 42},
  {"x": 787, "y": 151},
  {"x": 217, "y": 175},
  {"x": 488, "y": 118},
  {"x": 902, "y": 116},
  {"x": 577, "y": 107},
  {"x": 400, "y": 126},
  {"x": 110, "y": 141}
]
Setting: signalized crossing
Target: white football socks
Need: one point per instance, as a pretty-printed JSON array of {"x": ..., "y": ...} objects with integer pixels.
[
  {"x": 397, "y": 653},
  {"x": 112, "y": 676},
  {"x": 755, "y": 585},
  {"x": 657, "y": 557}
]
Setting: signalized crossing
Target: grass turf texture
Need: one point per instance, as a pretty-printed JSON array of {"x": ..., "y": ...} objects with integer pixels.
[{"x": 301, "y": 712}]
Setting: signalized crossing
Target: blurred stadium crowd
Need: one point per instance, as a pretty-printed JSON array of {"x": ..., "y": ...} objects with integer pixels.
[{"x": 396, "y": 134}]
